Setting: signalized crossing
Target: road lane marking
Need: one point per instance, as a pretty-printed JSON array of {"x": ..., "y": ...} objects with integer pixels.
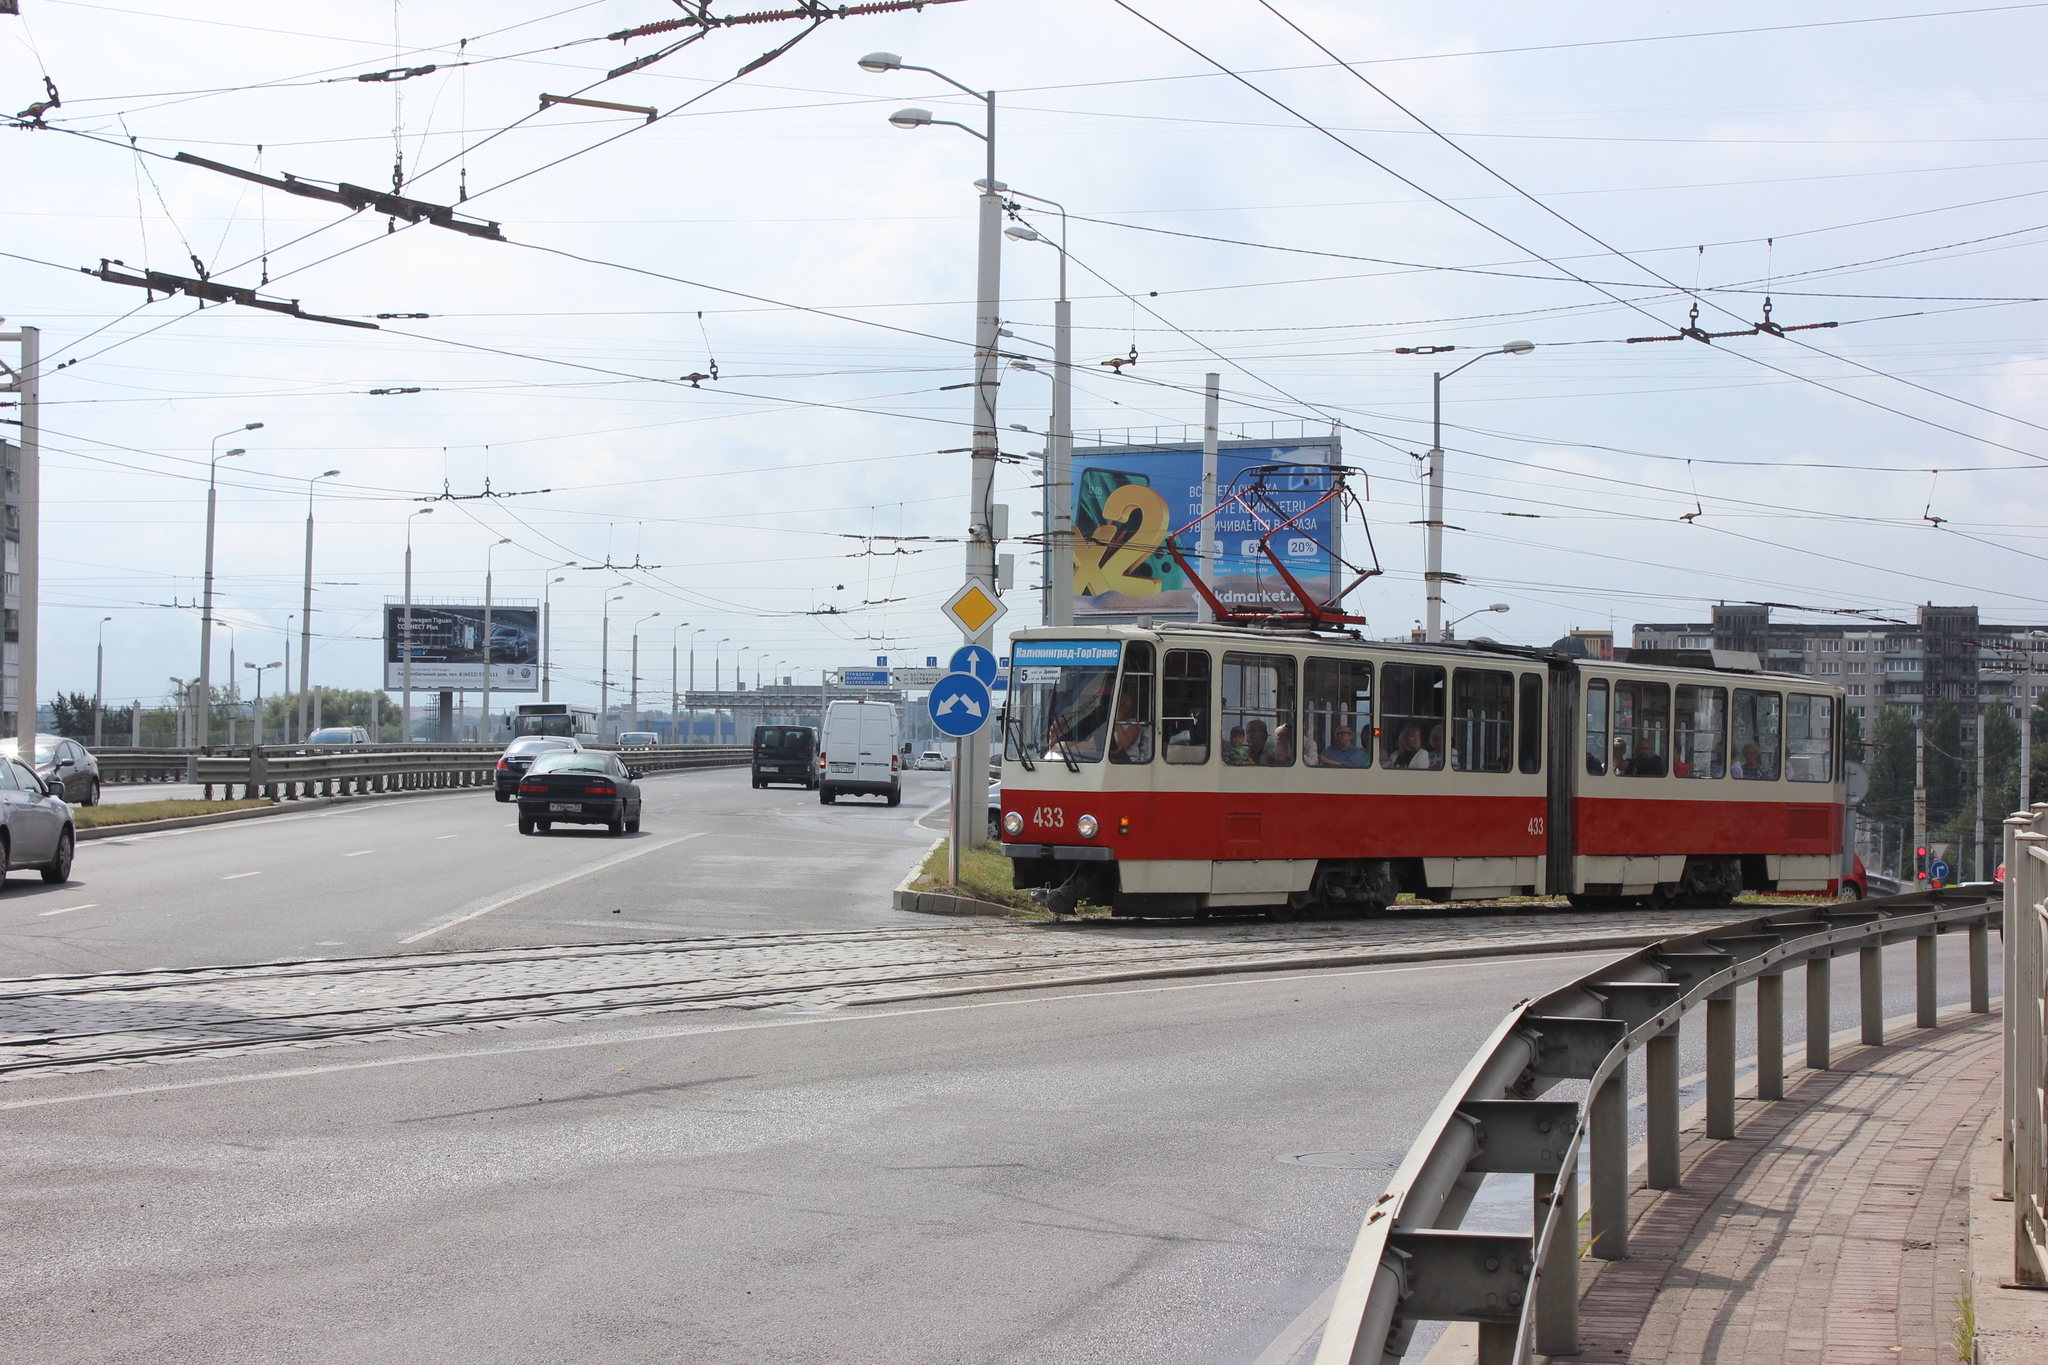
[
  {"x": 67, "y": 909},
  {"x": 615, "y": 1039},
  {"x": 233, "y": 875},
  {"x": 359, "y": 853},
  {"x": 549, "y": 886},
  {"x": 448, "y": 836}
]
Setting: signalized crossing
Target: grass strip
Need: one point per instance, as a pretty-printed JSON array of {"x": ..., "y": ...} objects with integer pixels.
[{"x": 133, "y": 812}]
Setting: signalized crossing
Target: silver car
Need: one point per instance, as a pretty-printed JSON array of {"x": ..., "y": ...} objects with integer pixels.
[
  {"x": 35, "y": 824},
  {"x": 65, "y": 764}
]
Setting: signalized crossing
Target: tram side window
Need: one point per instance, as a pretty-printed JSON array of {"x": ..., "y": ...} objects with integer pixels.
[
  {"x": 1700, "y": 725},
  {"x": 1809, "y": 738},
  {"x": 1482, "y": 720},
  {"x": 1337, "y": 713},
  {"x": 1532, "y": 723},
  {"x": 1756, "y": 731},
  {"x": 1130, "y": 734},
  {"x": 1411, "y": 716},
  {"x": 1596, "y": 727},
  {"x": 1184, "y": 705},
  {"x": 1258, "y": 710},
  {"x": 1642, "y": 729}
]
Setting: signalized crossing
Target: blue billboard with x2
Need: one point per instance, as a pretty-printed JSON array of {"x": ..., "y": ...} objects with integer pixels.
[{"x": 1128, "y": 499}]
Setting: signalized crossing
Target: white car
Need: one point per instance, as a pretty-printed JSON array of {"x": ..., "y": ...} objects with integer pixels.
[
  {"x": 932, "y": 761},
  {"x": 639, "y": 739}
]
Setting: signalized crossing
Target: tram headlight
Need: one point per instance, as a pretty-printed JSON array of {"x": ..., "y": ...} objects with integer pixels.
[
  {"x": 1013, "y": 823},
  {"x": 1086, "y": 824}
]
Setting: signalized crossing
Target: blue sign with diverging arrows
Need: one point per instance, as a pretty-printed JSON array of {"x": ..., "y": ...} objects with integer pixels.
[{"x": 959, "y": 704}]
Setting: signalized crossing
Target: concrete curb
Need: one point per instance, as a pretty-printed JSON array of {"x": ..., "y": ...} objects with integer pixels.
[{"x": 939, "y": 902}]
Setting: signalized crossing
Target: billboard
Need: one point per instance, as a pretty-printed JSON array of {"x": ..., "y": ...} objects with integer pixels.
[
  {"x": 448, "y": 648},
  {"x": 1128, "y": 499}
]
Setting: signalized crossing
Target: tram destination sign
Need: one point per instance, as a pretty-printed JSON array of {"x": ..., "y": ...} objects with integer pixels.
[{"x": 1128, "y": 499}]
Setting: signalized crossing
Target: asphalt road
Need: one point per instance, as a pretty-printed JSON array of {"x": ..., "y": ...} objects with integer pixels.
[{"x": 380, "y": 876}]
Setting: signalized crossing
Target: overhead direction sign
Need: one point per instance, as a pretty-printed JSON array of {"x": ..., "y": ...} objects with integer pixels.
[
  {"x": 916, "y": 677},
  {"x": 974, "y": 608},
  {"x": 959, "y": 705},
  {"x": 863, "y": 677},
  {"x": 975, "y": 659}
]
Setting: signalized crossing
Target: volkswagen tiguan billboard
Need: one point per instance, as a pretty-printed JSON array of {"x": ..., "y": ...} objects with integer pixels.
[{"x": 448, "y": 648}]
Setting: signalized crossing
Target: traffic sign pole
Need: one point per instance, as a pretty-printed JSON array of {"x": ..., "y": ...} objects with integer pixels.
[{"x": 975, "y": 608}]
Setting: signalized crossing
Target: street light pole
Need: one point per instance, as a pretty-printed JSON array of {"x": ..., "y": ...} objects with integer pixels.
[
  {"x": 483, "y": 732},
  {"x": 547, "y": 626},
  {"x": 675, "y": 695},
  {"x": 1433, "y": 565},
  {"x": 693, "y": 675},
  {"x": 634, "y": 704},
  {"x": 284, "y": 725},
  {"x": 604, "y": 670},
  {"x": 1059, "y": 448},
  {"x": 718, "y": 685},
  {"x": 405, "y": 642},
  {"x": 256, "y": 740},
  {"x": 99, "y": 684},
  {"x": 206, "y": 607},
  {"x": 970, "y": 772},
  {"x": 306, "y": 611}
]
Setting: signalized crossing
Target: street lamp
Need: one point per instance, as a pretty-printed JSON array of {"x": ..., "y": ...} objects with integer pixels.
[
  {"x": 547, "y": 626},
  {"x": 1433, "y": 567},
  {"x": 234, "y": 691},
  {"x": 257, "y": 738},
  {"x": 634, "y": 681},
  {"x": 674, "y": 692},
  {"x": 99, "y": 683},
  {"x": 1498, "y": 606},
  {"x": 604, "y": 672},
  {"x": 968, "y": 818},
  {"x": 693, "y": 674},
  {"x": 1059, "y": 448},
  {"x": 718, "y": 685},
  {"x": 206, "y": 609},
  {"x": 306, "y": 611},
  {"x": 405, "y": 638},
  {"x": 484, "y": 724}
]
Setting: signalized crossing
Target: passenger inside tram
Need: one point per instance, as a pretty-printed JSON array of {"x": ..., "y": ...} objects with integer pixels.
[{"x": 1343, "y": 751}]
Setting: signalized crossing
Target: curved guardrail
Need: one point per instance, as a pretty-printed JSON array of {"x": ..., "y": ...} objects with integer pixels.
[{"x": 1410, "y": 1262}]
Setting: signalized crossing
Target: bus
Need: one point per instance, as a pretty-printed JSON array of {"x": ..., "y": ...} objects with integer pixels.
[{"x": 555, "y": 718}]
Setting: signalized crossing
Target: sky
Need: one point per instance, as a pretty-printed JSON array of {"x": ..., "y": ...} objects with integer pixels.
[{"x": 1284, "y": 194}]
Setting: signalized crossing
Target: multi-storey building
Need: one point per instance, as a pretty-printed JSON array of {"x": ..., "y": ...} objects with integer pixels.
[{"x": 1948, "y": 654}]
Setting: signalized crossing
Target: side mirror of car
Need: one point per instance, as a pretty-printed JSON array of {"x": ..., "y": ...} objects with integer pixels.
[
  {"x": 634, "y": 773},
  {"x": 63, "y": 762}
]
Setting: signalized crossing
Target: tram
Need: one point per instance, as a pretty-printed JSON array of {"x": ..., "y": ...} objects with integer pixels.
[{"x": 1179, "y": 769}]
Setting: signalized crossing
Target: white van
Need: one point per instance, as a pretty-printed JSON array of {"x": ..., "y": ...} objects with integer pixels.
[{"x": 860, "y": 753}]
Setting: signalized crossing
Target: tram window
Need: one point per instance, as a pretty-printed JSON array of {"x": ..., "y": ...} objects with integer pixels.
[
  {"x": 1060, "y": 699},
  {"x": 1700, "y": 729},
  {"x": 1482, "y": 720},
  {"x": 1596, "y": 727},
  {"x": 1756, "y": 730},
  {"x": 1411, "y": 716},
  {"x": 1809, "y": 738},
  {"x": 1258, "y": 710},
  {"x": 1337, "y": 713},
  {"x": 1130, "y": 733},
  {"x": 1642, "y": 729},
  {"x": 1532, "y": 723},
  {"x": 1184, "y": 705}
]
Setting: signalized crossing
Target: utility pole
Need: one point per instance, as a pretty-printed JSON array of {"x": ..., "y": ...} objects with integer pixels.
[
  {"x": 405, "y": 642},
  {"x": 1977, "y": 848},
  {"x": 483, "y": 729},
  {"x": 1919, "y": 795},
  {"x": 1210, "y": 397},
  {"x": 99, "y": 684},
  {"x": 305, "y": 612}
]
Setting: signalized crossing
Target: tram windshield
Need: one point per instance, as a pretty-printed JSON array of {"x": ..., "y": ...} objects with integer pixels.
[{"x": 1061, "y": 699}]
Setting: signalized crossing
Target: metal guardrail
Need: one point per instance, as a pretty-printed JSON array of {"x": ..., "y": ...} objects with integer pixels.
[
  {"x": 290, "y": 771},
  {"x": 1410, "y": 1263},
  {"x": 2026, "y": 1040}
]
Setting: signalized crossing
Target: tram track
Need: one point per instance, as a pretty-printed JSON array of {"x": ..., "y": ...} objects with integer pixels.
[{"x": 89, "y": 1021}]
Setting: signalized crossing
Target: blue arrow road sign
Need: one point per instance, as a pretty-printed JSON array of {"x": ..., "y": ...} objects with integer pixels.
[
  {"x": 977, "y": 661},
  {"x": 959, "y": 704},
  {"x": 1939, "y": 872},
  {"x": 931, "y": 661}
]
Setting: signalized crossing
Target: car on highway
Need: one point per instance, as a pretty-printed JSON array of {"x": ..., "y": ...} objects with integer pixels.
[
  {"x": 520, "y": 754},
  {"x": 586, "y": 787},
  {"x": 35, "y": 823},
  {"x": 932, "y": 761},
  {"x": 785, "y": 753},
  {"x": 639, "y": 739},
  {"x": 857, "y": 754},
  {"x": 339, "y": 734},
  {"x": 65, "y": 764}
]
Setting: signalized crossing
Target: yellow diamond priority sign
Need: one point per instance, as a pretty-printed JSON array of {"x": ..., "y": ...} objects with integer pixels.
[{"x": 974, "y": 608}]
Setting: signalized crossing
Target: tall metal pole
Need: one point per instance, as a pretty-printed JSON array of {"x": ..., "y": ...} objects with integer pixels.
[
  {"x": 1059, "y": 448},
  {"x": 675, "y": 693},
  {"x": 483, "y": 730},
  {"x": 1433, "y": 554},
  {"x": 1210, "y": 398},
  {"x": 28, "y": 383},
  {"x": 633, "y": 684},
  {"x": 285, "y": 716},
  {"x": 2027, "y": 733},
  {"x": 99, "y": 684},
  {"x": 1977, "y": 849},
  {"x": 305, "y": 612},
  {"x": 405, "y": 643},
  {"x": 1919, "y": 794}
]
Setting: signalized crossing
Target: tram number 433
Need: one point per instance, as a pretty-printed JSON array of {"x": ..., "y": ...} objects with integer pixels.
[
  {"x": 1049, "y": 817},
  {"x": 1535, "y": 824}
]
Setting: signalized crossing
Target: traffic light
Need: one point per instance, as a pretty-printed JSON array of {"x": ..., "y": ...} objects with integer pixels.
[{"x": 1920, "y": 864}]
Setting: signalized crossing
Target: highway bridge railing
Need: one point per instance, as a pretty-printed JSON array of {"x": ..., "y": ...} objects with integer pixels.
[
  {"x": 2025, "y": 907},
  {"x": 288, "y": 772},
  {"x": 1412, "y": 1263}
]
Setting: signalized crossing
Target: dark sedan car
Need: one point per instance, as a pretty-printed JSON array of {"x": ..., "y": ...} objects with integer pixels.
[
  {"x": 521, "y": 753},
  {"x": 583, "y": 788},
  {"x": 64, "y": 765}
]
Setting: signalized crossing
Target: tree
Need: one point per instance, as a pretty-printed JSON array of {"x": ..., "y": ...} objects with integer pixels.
[
  {"x": 2001, "y": 763},
  {"x": 1891, "y": 768},
  {"x": 1948, "y": 786},
  {"x": 73, "y": 713}
]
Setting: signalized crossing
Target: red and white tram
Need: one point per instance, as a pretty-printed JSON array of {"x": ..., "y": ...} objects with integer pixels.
[{"x": 1179, "y": 769}]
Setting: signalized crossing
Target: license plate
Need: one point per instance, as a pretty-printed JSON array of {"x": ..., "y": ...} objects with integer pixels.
[
  {"x": 842, "y": 767},
  {"x": 564, "y": 808}
]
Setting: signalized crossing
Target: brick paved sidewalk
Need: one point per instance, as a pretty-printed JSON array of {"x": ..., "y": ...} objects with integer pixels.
[{"x": 1832, "y": 1230}]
